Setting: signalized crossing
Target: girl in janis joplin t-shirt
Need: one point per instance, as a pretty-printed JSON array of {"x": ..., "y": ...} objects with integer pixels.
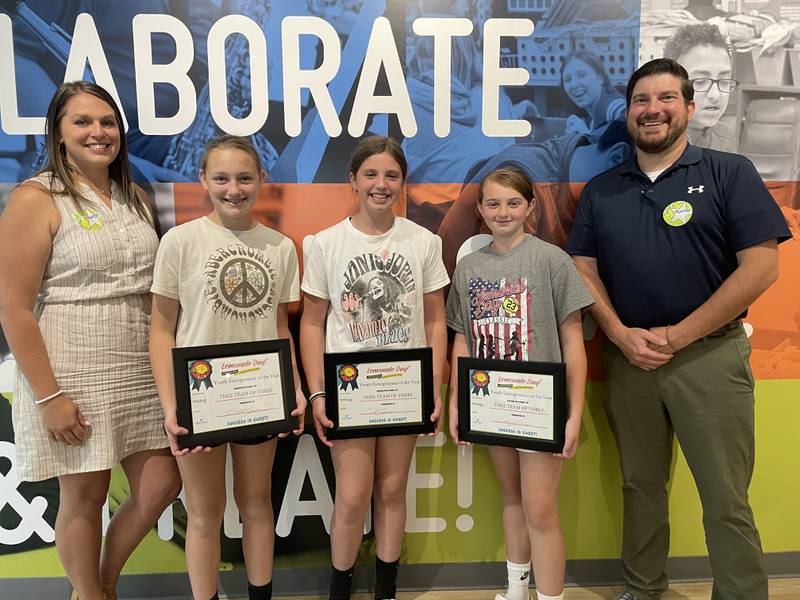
[{"x": 372, "y": 281}]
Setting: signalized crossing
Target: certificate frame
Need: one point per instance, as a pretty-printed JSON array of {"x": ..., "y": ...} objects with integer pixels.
[
  {"x": 182, "y": 357},
  {"x": 333, "y": 385},
  {"x": 467, "y": 431}
]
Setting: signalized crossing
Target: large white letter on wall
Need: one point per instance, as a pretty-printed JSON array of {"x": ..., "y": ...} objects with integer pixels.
[
  {"x": 494, "y": 76},
  {"x": 86, "y": 47},
  {"x": 306, "y": 464},
  {"x": 10, "y": 120},
  {"x": 316, "y": 80},
  {"x": 382, "y": 51},
  {"x": 174, "y": 73},
  {"x": 217, "y": 80},
  {"x": 443, "y": 31}
]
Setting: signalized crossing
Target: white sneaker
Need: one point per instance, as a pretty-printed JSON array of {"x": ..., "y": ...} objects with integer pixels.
[{"x": 503, "y": 597}]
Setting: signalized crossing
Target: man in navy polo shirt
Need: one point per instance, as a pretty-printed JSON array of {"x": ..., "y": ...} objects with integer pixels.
[{"x": 675, "y": 244}]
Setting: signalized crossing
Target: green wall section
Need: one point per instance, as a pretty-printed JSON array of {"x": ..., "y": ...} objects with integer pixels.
[{"x": 590, "y": 500}]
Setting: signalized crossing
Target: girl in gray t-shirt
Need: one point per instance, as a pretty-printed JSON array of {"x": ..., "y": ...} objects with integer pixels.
[{"x": 520, "y": 298}]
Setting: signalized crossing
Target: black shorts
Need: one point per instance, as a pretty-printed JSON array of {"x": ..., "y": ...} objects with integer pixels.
[
  {"x": 248, "y": 442},
  {"x": 251, "y": 441}
]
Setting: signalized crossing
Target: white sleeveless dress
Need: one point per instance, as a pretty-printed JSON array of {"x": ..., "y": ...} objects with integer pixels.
[{"x": 93, "y": 310}]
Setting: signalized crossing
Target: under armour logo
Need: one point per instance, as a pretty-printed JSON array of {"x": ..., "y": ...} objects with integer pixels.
[
  {"x": 31, "y": 513},
  {"x": 698, "y": 189}
]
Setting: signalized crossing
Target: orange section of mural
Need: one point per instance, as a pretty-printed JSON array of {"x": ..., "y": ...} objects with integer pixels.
[
  {"x": 299, "y": 210},
  {"x": 775, "y": 316}
]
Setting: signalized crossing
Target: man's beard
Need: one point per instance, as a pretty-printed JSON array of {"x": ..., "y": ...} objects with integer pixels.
[{"x": 675, "y": 129}]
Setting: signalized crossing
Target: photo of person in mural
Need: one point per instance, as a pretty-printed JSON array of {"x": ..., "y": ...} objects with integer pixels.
[
  {"x": 575, "y": 109},
  {"x": 704, "y": 52},
  {"x": 587, "y": 84},
  {"x": 543, "y": 101}
]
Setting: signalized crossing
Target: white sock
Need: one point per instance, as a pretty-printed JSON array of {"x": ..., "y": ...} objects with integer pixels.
[
  {"x": 540, "y": 596},
  {"x": 519, "y": 577}
]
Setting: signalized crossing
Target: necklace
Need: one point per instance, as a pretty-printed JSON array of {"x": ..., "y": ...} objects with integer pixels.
[
  {"x": 95, "y": 188},
  {"x": 100, "y": 191}
]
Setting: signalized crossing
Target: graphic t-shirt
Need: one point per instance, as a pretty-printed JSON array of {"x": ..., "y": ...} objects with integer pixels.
[
  {"x": 229, "y": 283},
  {"x": 375, "y": 284},
  {"x": 509, "y": 306}
]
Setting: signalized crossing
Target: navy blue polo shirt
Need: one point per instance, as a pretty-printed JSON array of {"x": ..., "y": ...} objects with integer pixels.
[{"x": 664, "y": 247}]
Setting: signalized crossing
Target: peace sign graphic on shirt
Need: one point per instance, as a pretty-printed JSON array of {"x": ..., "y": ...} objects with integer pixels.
[{"x": 244, "y": 282}]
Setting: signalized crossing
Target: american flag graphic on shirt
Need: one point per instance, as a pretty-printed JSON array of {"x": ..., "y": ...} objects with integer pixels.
[{"x": 499, "y": 312}]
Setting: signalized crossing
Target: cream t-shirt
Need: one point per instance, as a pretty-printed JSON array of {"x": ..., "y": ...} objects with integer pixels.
[{"x": 229, "y": 283}]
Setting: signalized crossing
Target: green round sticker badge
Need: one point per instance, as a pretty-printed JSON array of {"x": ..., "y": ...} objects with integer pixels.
[
  {"x": 677, "y": 214},
  {"x": 89, "y": 219}
]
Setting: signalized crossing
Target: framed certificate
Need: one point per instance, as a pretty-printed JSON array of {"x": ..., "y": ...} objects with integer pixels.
[
  {"x": 232, "y": 392},
  {"x": 384, "y": 392},
  {"x": 512, "y": 403}
]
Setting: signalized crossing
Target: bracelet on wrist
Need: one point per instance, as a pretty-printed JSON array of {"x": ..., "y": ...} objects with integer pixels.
[
  {"x": 315, "y": 395},
  {"x": 50, "y": 397}
]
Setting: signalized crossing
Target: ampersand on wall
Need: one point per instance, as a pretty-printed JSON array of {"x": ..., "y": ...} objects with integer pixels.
[{"x": 31, "y": 513}]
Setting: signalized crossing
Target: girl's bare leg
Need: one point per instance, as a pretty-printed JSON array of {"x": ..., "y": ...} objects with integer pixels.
[
  {"x": 252, "y": 489},
  {"x": 541, "y": 473},
  {"x": 203, "y": 477}
]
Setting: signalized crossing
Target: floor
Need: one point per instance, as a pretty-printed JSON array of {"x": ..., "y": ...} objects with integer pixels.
[{"x": 779, "y": 589}]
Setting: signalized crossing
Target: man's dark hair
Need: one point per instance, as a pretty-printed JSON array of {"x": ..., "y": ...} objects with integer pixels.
[
  {"x": 660, "y": 66},
  {"x": 689, "y": 36}
]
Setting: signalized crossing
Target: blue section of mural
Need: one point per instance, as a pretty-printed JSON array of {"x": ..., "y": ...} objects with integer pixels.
[
  {"x": 40, "y": 67},
  {"x": 42, "y": 32},
  {"x": 604, "y": 53}
]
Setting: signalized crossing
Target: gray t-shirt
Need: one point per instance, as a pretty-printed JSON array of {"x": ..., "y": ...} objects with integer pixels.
[
  {"x": 719, "y": 137},
  {"x": 509, "y": 306}
]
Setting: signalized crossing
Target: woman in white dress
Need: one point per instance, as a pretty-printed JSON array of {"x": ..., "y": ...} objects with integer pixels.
[{"x": 75, "y": 307}]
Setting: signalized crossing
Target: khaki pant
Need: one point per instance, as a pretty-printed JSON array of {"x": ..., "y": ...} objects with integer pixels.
[{"x": 704, "y": 395}]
